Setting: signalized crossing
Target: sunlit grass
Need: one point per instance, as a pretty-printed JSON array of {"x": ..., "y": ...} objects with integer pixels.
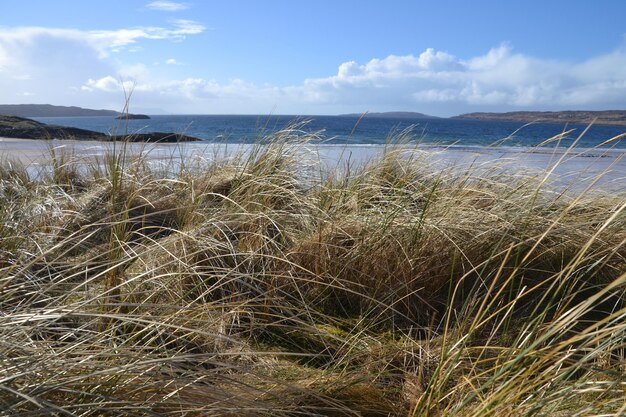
[{"x": 240, "y": 286}]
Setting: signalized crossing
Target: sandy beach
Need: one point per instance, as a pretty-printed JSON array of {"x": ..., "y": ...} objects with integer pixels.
[{"x": 572, "y": 169}]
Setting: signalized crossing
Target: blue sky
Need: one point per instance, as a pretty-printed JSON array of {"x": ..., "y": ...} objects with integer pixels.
[{"x": 314, "y": 57}]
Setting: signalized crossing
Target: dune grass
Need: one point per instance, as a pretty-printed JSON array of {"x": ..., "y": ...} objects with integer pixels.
[{"x": 238, "y": 287}]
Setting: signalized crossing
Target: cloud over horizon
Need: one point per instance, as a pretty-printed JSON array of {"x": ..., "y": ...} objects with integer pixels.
[
  {"x": 435, "y": 82},
  {"x": 167, "y": 6}
]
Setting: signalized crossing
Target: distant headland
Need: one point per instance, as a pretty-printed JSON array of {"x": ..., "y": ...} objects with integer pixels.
[
  {"x": 48, "y": 110},
  {"x": 604, "y": 117},
  {"x": 392, "y": 115}
]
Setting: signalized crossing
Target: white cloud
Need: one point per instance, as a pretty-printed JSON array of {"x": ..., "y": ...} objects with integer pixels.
[
  {"x": 433, "y": 82},
  {"x": 62, "y": 66},
  {"x": 103, "y": 41},
  {"x": 69, "y": 66},
  {"x": 499, "y": 79},
  {"x": 167, "y": 6},
  {"x": 108, "y": 84}
]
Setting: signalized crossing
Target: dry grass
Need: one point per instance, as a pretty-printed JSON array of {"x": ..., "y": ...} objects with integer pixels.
[{"x": 240, "y": 288}]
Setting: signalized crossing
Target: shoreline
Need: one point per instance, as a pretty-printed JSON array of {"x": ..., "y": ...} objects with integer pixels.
[{"x": 575, "y": 168}]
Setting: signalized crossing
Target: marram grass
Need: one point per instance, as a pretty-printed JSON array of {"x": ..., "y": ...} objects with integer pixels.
[{"x": 239, "y": 287}]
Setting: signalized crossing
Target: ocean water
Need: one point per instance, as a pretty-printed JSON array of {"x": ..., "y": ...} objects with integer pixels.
[{"x": 349, "y": 130}]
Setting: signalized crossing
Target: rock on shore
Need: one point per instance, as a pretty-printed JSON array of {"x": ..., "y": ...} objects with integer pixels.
[
  {"x": 132, "y": 117},
  {"x": 22, "y": 128}
]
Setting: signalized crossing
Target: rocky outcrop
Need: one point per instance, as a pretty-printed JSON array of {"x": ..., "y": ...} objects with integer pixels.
[
  {"x": 22, "y": 128},
  {"x": 132, "y": 117}
]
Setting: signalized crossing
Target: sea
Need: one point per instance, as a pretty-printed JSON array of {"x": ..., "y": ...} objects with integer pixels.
[
  {"x": 576, "y": 161},
  {"x": 354, "y": 130}
]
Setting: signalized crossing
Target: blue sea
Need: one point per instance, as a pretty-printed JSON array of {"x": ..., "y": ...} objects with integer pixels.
[{"x": 349, "y": 130}]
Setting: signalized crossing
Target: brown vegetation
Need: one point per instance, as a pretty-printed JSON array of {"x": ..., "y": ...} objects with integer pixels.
[{"x": 236, "y": 287}]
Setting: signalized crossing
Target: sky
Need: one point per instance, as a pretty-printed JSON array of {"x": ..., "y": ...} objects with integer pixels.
[{"x": 305, "y": 57}]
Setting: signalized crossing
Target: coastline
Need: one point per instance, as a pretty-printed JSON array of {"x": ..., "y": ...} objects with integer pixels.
[{"x": 589, "y": 117}]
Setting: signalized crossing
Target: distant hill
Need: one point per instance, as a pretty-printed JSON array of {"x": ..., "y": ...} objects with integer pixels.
[
  {"x": 392, "y": 115},
  {"x": 48, "y": 110},
  {"x": 22, "y": 128},
  {"x": 605, "y": 117}
]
